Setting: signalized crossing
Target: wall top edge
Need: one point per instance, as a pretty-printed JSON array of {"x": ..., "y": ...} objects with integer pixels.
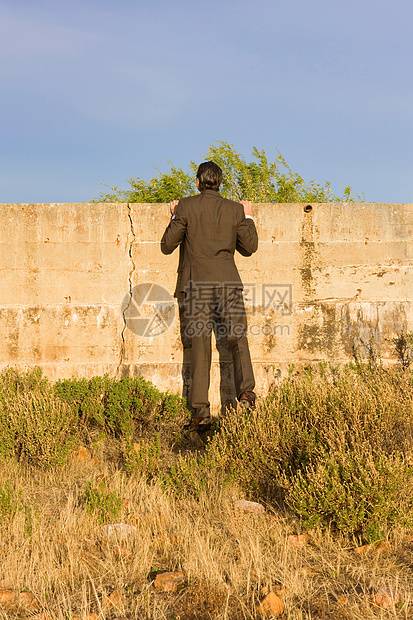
[{"x": 164, "y": 204}]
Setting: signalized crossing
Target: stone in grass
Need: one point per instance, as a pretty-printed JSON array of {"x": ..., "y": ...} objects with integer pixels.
[
  {"x": 113, "y": 600},
  {"x": 7, "y": 596},
  {"x": 122, "y": 552},
  {"x": 383, "y": 547},
  {"x": 166, "y": 540},
  {"x": 169, "y": 582},
  {"x": 363, "y": 549},
  {"x": 298, "y": 540},
  {"x": 246, "y": 506},
  {"x": 271, "y": 606},
  {"x": 387, "y": 599},
  {"x": 81, "y": 455},
  {"x": 119, "y": 530},
  {"x": 29, "y": 601}
]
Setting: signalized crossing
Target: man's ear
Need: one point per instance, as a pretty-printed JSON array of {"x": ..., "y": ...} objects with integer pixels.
[{"x": 197, "y": 183}]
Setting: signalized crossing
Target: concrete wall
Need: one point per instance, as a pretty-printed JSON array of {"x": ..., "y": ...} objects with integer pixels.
[{"x": 327, "y": 281}]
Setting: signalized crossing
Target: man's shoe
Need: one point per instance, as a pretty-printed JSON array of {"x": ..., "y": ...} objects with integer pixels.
[
  {"x": 199, "y": 425},
  {"x": 247, "y": 401}
]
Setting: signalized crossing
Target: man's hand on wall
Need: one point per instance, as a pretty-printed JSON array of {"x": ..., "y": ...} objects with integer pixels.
[
  {"x": 247, "y": 204},
  {"x": 172, "y": 206}
]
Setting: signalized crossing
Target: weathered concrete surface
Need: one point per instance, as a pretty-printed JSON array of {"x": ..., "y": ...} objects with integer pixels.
[
  {"x": 64, "y": 271},
  {"x": 326, "y": 284}
]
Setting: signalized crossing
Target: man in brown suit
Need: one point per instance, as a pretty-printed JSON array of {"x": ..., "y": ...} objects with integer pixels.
[{"x": 209, "y": 228}]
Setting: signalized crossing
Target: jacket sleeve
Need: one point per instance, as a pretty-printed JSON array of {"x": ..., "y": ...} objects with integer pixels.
[
  {"x": 174, "y": 233},
  {"x": 247, "y": 237}
]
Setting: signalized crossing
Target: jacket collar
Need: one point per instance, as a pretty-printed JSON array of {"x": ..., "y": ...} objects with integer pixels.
[{"x": 211, "y": 192}]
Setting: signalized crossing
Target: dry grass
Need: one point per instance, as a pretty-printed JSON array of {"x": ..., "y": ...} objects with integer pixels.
[
  {"x": 230, "y": 559},
  {"x": 53, "y": 542}
]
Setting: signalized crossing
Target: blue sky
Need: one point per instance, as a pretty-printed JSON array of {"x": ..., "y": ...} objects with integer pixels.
[{"x": 99, "y": 90}]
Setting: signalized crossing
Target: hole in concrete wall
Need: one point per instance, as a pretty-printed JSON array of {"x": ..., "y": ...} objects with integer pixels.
[{"x": 308, "y": 209}]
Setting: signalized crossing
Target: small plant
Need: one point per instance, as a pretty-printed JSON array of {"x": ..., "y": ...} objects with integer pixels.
[
  {"x": 367, "y": 352},
  {"x": 403, "y": 347},
  {"x": 31, "y": 519},
  {"x": 192, "y": 475},
  {"x": 45, "y": 430},
  {"x": 10, "y": 505},
  {"x": 143, "y": 457},
  {"x": 102, "y": 504},
  {"x": 15, "y": 382}
]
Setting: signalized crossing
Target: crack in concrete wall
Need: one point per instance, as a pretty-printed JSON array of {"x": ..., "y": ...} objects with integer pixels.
[{"x": 130, "y": 286}]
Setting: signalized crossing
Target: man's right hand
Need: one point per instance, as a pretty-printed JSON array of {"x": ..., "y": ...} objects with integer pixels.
[
  {"x": 172, "y": 206},
  {"x": 247, "y": 204}
]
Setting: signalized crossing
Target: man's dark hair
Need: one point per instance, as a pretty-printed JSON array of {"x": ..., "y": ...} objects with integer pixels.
[{"x": 209, "y": 175}]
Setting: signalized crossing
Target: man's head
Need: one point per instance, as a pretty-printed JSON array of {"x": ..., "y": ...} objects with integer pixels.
[{"x": 209, "y": 176}]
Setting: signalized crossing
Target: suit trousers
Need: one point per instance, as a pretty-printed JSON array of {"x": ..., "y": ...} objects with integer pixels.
[{"x": 219, "y": 309}]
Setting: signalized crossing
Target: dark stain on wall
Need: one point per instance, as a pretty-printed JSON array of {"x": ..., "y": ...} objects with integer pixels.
[
  {"x": 371, "y": 330},
  {"x": 319, "y": 334},
  {"x": 359, "y": 332},
  {"x": 309, "y": 256}
]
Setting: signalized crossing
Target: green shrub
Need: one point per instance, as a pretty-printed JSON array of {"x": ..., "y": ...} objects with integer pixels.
[
  {"x": 125, "y": 409},
  {"x": 39, "y": 421},
  {"x": 85, "y": 397},
  {"x": 191, "y": 475},
  {"x": 37, "y": 429},
  {"x": 335, "y": 446},
  {"x": 355, "y": 493}
]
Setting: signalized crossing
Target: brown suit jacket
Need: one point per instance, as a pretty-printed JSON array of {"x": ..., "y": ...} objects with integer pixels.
[{"x": 209, "y": 228}]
